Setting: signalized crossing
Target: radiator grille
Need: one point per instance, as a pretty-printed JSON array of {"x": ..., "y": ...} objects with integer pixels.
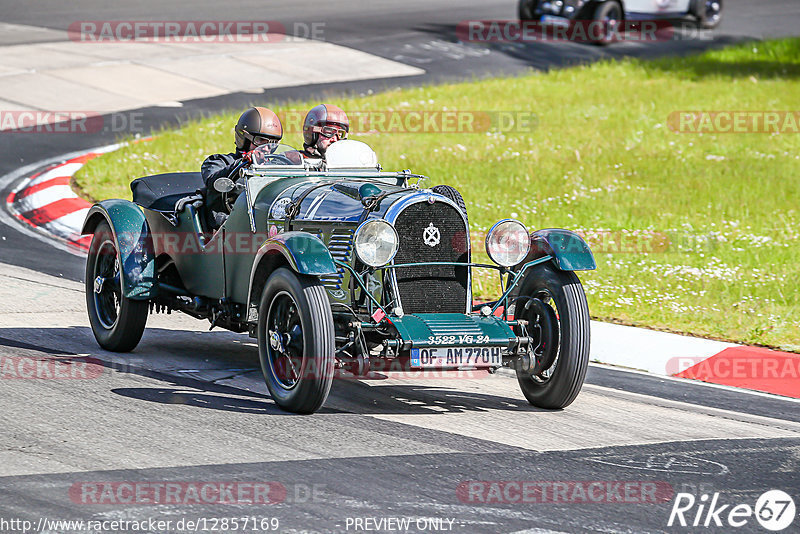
[
  {"x": 341, "y": 247},
  {"x": 434, "y": 288}
]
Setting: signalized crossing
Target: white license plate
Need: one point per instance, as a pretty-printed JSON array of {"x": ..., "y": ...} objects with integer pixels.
[
  {"x": 551, "y": 20},
  {"x": 457, "y": 357}
]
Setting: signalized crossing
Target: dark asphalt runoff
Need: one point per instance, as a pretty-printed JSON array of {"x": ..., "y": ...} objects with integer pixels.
[{"x": 186, "y": 407}]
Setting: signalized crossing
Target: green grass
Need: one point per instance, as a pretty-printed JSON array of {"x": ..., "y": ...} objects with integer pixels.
[{"x": 601, "y": 159}]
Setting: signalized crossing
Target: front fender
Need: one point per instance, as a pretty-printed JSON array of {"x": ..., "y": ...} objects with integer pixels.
[
  {"x": 134, "y": 243},
  {"x": 569, "y": 251},
  {"x": 304, "y": 253}
]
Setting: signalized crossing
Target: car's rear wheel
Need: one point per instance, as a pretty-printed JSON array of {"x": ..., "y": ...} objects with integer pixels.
[
  {"x": 554, "y": 305},
  {"x": 709, "y": 13},
  {"x": 296, "y": 342},
  {"x": 117, "y": 321},
  {"x": 609, "y": 16},
  {"x": 526, "y": 9}
]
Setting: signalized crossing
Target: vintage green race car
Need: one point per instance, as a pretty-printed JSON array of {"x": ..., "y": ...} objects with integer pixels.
[{"x": 348, "y": 269}]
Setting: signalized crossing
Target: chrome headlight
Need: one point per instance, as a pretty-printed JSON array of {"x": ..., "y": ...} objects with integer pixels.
[
  {"x": 508, "y": 242},
  {"x": 376, "y": 242}
]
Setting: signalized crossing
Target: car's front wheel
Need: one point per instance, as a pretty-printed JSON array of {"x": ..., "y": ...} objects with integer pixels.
[
  {"x": 553, "y": 304},
  {"x": 117, "y": 321},
  {"x": 608, "y": 17},
  {"x": 296, "y": 342}
]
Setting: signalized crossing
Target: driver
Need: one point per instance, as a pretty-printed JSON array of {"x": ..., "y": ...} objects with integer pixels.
[
  {"x": 324, "y": 125},
  {"x": 256, "y": 126}
]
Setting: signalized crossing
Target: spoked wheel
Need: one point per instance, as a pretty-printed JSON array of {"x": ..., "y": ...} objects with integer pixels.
[
  {"x": 296, "y": 341},
  {"x": 610, "y": 15},
  {"x": 117, "y": 321},
  {"x": 709, "y": 13},
  {"x": 554, "y": 305}
]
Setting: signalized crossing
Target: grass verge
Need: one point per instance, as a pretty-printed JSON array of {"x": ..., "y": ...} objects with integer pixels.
[{"x": 693, "y": 232}]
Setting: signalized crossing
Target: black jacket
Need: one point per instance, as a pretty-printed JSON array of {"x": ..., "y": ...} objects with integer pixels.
[{"x": 217, "y": 166}]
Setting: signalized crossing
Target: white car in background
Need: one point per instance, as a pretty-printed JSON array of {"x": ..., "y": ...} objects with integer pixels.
[{"x": 707, "y": 13}]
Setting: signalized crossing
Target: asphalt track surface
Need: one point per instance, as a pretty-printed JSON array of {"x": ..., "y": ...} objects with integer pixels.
[{"x": 190, "y": 407}]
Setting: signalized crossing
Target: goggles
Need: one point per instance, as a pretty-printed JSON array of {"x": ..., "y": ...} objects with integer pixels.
[
  {"x": 259, "y": 140},
  {"x": 331, "y": 131}
]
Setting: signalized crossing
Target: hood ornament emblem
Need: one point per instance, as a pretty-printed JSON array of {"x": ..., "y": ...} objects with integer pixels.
[{"x": 431, "y": 235}]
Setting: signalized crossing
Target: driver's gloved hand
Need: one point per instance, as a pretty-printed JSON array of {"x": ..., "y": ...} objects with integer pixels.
[{"x": 248, "y": 157}]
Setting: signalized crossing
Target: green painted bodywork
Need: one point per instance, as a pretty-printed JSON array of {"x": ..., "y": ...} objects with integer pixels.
[
  {"x": 198, "y": 257},
  {"x": 234, "y": 262},
  {"x": 423, "y": 329},
  {"x": 134, "y": 244},
  {"x": 306, "y": 253},
  {"x": 569, "y": 251}
]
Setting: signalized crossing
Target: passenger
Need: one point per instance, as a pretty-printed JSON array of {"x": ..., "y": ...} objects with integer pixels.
[
  {"x": 324, "y": 125},
  {"x": 256, "y": 126}
]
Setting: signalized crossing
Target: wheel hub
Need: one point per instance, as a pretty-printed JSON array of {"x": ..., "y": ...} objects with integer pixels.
[{"x": 276, "y": 341}]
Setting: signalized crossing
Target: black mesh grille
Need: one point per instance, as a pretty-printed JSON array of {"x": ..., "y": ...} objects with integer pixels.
[{"x": 434, "y": 288}]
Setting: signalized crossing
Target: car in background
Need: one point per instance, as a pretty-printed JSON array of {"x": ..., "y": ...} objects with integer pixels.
[{"x": 612, "y": 13}]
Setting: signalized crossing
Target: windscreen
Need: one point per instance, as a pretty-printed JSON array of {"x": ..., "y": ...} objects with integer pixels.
[{"x": 275, "y": 154}]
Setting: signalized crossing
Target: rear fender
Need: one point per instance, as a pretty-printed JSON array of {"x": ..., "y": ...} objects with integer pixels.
[
  {"x": 302, "y": 252},
  {"x": 134, "y": 243}
]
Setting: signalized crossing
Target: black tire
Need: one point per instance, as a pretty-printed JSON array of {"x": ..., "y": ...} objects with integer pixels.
[
  {"x": 565, "y": 325},
  {"x": 453, "y": 194},
  {"x": 611, "y": 15},
  {"x": 117, "y": 321},
  {"x": 526, "y": 8},
  {"x": 708, "y": 13},
  {"x": 296, "y": 343}
]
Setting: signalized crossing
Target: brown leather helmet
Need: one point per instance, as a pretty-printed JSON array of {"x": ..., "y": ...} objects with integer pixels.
[
  {"x": 325, "y": 119},
  {"x": 257, "y": 126}
]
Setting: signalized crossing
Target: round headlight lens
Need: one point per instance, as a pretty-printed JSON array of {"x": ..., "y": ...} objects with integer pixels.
[
  {"x": 376, "y": 242},
  {"x": 508, "y": 242}
]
